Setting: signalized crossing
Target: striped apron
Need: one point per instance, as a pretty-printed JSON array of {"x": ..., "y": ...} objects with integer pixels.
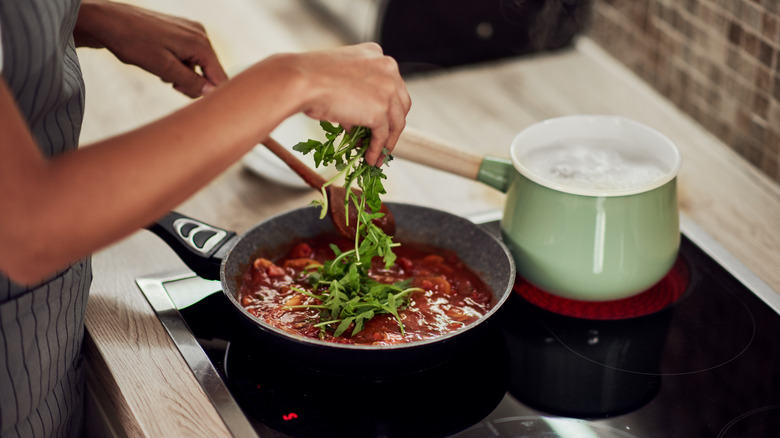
[{"x": 42, "y": 327}]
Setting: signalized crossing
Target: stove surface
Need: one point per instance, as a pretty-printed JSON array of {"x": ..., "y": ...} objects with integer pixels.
[{"x": 705, "y": 365}]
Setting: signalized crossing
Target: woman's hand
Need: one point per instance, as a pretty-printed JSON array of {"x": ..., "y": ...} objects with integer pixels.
[
  {"x": 175, "y": 49},
  {"x": 355, "y": 86}
]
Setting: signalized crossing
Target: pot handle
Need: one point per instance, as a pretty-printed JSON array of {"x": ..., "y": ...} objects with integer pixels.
[
  {"x": 414, "y": 145},
  {"x": 201, "y": 246},
  {"x": 421, "y": 148}
]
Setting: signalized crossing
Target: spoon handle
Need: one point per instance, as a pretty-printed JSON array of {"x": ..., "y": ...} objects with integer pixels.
[
  {"x": 416, "y": 146},
  {"x": 312, "y": 178}
]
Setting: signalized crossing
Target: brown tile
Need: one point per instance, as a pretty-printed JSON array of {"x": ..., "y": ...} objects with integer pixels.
[
  {"x": 776, "y": 87},
  {"x": 718, "y": 50},
  {"x": 685, "y": 26},
  {"x": 771, "y": 168},
  {"x": 773, "y": 141},
  {"x": 674, "y": 19},
  {"x": 745, "y": 94},
  {"x": 760, "y": 105},
  {"x": 772, "y": 6},
  {"x": 719, "y": 3},
  {"x": 691, "y": 6},
  {"x": 728, "y": 106},
  {"x": 713, "y": 97},
  {"x": 750, "y": 16},
  {"x": 771, "y": 161},
  {"x": 733, "y": 7},
  {"x": 773, "y": 120},
  {"x": 717, "y": 60},
  {"x": 715, "y": 74},
  {"x": 766, "y": 53},
  {"x": 763, "y": 80},
  {"x": 750, "y": 43},
  {"x": 730, "y": 86},
  {"x": 756, "y": 129},
  {"x": 662, "y": 12},
  {"x": 652, "y": 32},
  {"x": 769, "y": 27},
  {"x": 698, "y": 62},
  {"x": 733, "y": 59},
  {"x": 735, "y": 32},
  {"x": 664, "y": 41},
  {"x": 754, "y": 152},
  {"x": 705, "y": 38},
  {"x": 687, "y": 105},
  {"x": 739, "y": 95},
  {"x": 777, "y": 61},
  {"x": 705, "y": 14},
  {"x": 639, "y": 17},
  {"x": 727, "y": 132},
  {"x": 709, "y": 122},
  {"x": 747, "y": 68},
  {"x": 749, "y": 148},
  {"x": 718, "y": 21}
]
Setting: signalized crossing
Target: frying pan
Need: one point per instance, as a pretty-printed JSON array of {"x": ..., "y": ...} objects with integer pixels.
[{"x": 214, "y": 253}]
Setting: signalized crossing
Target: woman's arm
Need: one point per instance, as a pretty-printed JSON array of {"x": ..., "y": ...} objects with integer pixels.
[{"x": 56, "y": 211}]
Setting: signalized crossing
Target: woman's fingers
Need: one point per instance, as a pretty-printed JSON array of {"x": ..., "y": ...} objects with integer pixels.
[
  {"x": 177, "y": 50},
  {"x": 359, "y": 85}
]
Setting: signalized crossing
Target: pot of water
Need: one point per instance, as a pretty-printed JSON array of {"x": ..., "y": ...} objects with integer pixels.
[{"x": 591, "y": 211}]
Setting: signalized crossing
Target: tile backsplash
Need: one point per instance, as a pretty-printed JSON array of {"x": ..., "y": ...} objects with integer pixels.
[{"x": 715, "y": 59}]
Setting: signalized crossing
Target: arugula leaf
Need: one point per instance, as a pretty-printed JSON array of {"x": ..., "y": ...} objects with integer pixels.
[{"x": 348, "y": 295}]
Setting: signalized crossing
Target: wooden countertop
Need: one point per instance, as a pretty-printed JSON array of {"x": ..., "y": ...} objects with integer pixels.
[{"x": 147, "y": 383}]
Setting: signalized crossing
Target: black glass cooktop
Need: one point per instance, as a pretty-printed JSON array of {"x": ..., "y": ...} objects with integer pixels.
[{"x": 706, "y": 366}]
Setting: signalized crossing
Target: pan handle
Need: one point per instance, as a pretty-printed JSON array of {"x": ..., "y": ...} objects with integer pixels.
[{"x": 201, "y": 246}]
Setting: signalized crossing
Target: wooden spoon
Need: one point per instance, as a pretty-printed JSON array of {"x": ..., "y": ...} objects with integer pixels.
[{"x": 337, "y": 195}]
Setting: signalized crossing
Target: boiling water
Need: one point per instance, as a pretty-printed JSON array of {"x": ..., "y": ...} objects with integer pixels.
[{"x": 600, "y": 164}]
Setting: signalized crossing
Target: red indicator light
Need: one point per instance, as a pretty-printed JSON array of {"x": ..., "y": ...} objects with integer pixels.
[{"x": 290, "y": 416}]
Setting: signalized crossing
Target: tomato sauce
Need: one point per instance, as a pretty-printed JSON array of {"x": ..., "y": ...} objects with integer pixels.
[{"x": 452, "y": 296}]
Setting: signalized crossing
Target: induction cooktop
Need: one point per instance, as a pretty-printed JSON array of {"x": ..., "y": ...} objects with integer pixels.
[{"x": 704, "y": 363}]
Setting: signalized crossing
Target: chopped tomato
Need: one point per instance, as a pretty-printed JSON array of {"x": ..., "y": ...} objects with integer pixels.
[
  {"x": 453, "y": 296},
  {"x": 275, "y": 271},
  {"x": 300, "y": 251}
]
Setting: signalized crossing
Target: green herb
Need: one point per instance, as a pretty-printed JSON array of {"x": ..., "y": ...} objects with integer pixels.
[{"x": 348, "y": 295}]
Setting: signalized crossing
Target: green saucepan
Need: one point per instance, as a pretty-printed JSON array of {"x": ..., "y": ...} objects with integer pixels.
[{"x": 591, "y": 211}]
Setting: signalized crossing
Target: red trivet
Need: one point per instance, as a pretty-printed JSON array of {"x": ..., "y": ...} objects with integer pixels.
[{"x": 658, "y": 297}]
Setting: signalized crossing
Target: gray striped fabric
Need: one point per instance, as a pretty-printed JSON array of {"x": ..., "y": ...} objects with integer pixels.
[
  {"x": 41, "y": 328},
  {"x": 41, "y": 380}
]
